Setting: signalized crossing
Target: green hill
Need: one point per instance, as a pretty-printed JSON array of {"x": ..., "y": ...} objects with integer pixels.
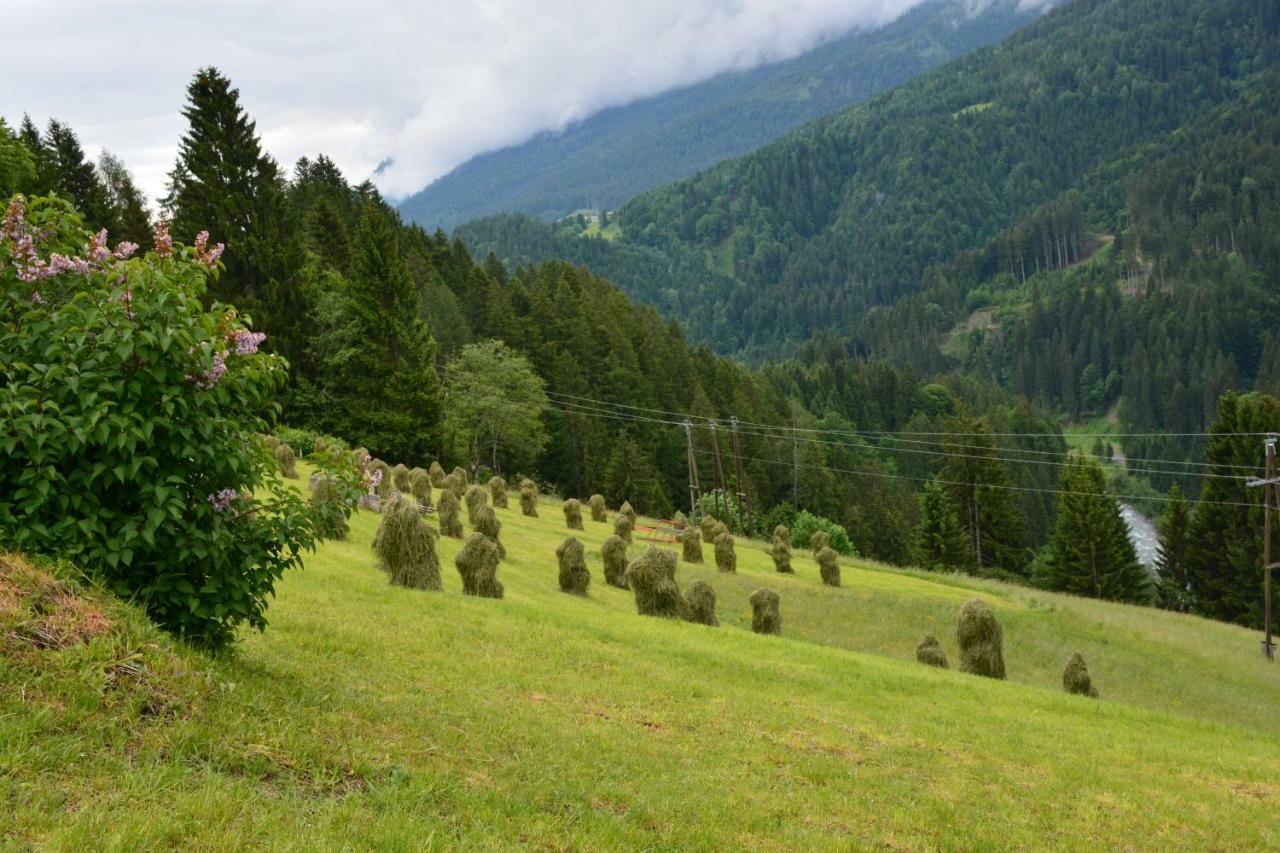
[
  {"x": 374, "y": 716},
  {"x": 606, "y": 159}
]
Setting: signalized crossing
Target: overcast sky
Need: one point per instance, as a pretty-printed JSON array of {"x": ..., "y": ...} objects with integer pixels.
[{"x": 426, "y": 84}]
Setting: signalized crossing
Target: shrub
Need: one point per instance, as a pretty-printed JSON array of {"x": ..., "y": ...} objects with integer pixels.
[
  {"x": 981, "y": 640},
  {"x": 475, "y": 497},
  {"x": 477, "y": 563},
  {"x": 691, "y": 542},
  {"x": 700, "y": 604},
  {"x": 574, "y": 577},
  {"x": 573, "y": 514},
  {"x": 306, "y": 442},
  {"x": 680, "y": 521},
  {"x": 420, "y": 486},
  {"x": 726, "y": 558},
  {"x": 598, "y": 511},
  {"x": 455, "y": 484},
  {"x": 498, "y": 492},
  {"x": 400, "y": 477},
  {"x": 437, "y": 474},
  {"x": 766, "y": 617},
  {"x": 382, "y": 478},
  {"x": 626, "y": 510},
  {"x": 806, "y": 524},
  {"x": 529, "y": 501},
  {"x": 614, "y": 554},
  {"x": 486, "y": 522},
  {"x": 449, "y": 512},
  {"x": 132, "y": 411},
  {"x": 829, "y": 566},
  {"x": 406, "y": 546},
  {"x": 285, "y": 460},
  {"x": 726, "y": 508},
  {"x": 1075, "y": 678},
  {"x": 622, "y": 528},
  {"x": 780, "y": 550},
  {"x": 652, "y": 577},
  {"x": 929, "y": 652},
  {"x": 783, "y": 514}
]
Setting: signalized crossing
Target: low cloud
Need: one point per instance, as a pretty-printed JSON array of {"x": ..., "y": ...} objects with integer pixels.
[{"x": 424, "y": 85}]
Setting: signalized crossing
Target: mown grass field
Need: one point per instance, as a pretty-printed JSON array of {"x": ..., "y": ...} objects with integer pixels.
[{"x": 372, "y": 716}]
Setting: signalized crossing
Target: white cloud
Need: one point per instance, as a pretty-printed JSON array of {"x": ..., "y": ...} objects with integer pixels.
[{"x": 428, "y": 84}]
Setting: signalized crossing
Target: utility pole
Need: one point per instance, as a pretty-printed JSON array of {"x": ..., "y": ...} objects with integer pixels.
[
  {"x": 737, "y": 464},
  {"x": 715, "y": 450},
  {"x": 1270, "y": 501},
  {"x": 695, "y": 490}
]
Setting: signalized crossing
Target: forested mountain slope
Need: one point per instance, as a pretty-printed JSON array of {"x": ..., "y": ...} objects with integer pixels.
[
  {"x": 618, "y": 153},
  {"x": 849, "y": 212}
]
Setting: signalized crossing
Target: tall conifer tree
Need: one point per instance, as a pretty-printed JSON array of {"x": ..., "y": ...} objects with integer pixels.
[
  {"x": 1171, "y": 561},
  {"x": 939, "y": 538},
  {"x": 980, "y": 488}
]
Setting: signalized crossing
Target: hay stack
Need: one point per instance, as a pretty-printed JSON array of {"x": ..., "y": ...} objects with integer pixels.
[
  {"x": 691, "y": 541},
  {"x": 626, "y": 510},
  {"x": 573, "y": 514},
  {"x": 285, "y": 461},
  {"x": 318, "y": 446},
  {"x": 829, "y": 566},
  {"x": 700, "y": 604},
  {"x": 710, "y": 529},
  {"x": 400, "y": 478},
  {"x": 780, "y": 550},
  {"x": 455, "y": 484},
  {"x": 406, "y": 547},
  {"x": 981, "y": 640},
  {"x": 486, "y": 522},
  {"x": 462, "y": 474},
  {"x": 766, "y": 617},
  {"x": 449, "y": 512},
  {"x": 498, "y": 492},
  {"x": 726, "y": 557},
  {"x": 622, "y": 528},
  {"x": 528, "y": 500},
  {"x": 930, "y": 653},
  {"x": 420, "y": 486},
  {"x": 384, "y": 483},
  {"x": 271, "y": 442},
  {"x": 331, "y": 515},
  {"x": 680, "y": 521},
  {"x": 1075, "y": 678},
  {"x": 475, "y": 497},
  {"x": 437, "y": 474},
  {"x": 477, "y": 562},
  {"x": 819, "y": 540},
  {"x": 652, "y": 577},
  {"x": 614, "y": 554},
  {"x": 598, "y": 511},
  {"x": 574, "y": 577}
]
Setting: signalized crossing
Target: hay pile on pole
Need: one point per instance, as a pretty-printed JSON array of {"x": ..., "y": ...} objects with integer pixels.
[
  {"x": 710, "y": 529},
  {"x": 691, "y": 542},
  {"x": 598, "y": 511},
  {"x": 420, "y": 486},
  {"x": 726, "y": 557},
  {"x": 331, "y": 515},
  {"x": 819, "y": 540},
  {"x": 574, "y": 577},
  {"x": 829, "y": 566},
  {"x": 437, "y": 474},
  {"x": 626, "y": 510},
  {"x": 475, "y": 498},
  {"x": 455, "y": 484},
  {"x": 622, "y": 528},
  {"x": 498, "y": 492},
  {"x": 680, "y": 521},
  {"x": 486, "y": 522},
  {"x": 981, "y": 640},
  {"x": 780, "y": 550},
  {"x": 573, "y": 514},
  {"x": 406, "y": 547},
  {"x": 477, "y": 562},
  {"x": 652, "y": 577},
  {"x": 449, "y": 511},
  {"x": 766, "y": 616},
  {"x": 285, "y": 461},
  {"x": 700, "y": 604},
  {"x": 614, "y": 554},
  {"x": 528, "y": 500},
  {"x": 1075, "y": 678},
  {"x": 400, "y": 478},
  {"x": 930, "y": 653}
]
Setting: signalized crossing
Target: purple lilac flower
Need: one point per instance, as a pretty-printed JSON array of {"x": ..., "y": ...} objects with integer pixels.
[
  {"x": 125, "y": 250},
  {"x": 36, "y": 297},
  {"x": 222, "y": 499},
  {"x": 246, "y": 342},
  {"x": 97, "y": 249},
  {"x": 205, "y": 255},
  {"x": 377, "y": 477},
  {"x": 210, "y": 377},
  {"x": 164, "y": 241}
]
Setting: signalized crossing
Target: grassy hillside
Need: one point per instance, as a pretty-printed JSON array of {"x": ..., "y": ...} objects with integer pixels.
[
  {"x": 609, "y": 157},
  {"x": 374, "y": 716}
]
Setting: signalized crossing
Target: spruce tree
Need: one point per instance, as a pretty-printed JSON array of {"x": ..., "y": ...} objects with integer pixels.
[
  {"x": 386, "y": 387},
  {"x": 41, "y": 182},
  {"x": 1171, "y": 559},
  {"x": 17, "y": 165},
  {"x": 980, "y": 489},
  {"x": 129, "y": 217},
  {"x": 223, "y": 182},
  {"x": 1090, "y": 552},
  {"x": 73, "y": 177},
  {"x": 939, "y": 537}
]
